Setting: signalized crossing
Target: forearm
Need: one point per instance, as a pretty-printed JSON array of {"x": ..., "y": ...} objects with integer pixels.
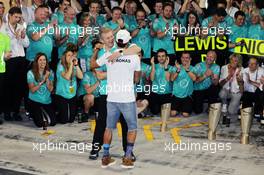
[
  {"x": 183, "y": 8},
  {"x": 197, "y": 8},
  {"x": 122, "y": 5},
  {"x": 132, "y": 50},
  {"x": 93, "y": 63},
  {"x": 137, "y": 77},
  {"x": 79, "y": 73},
  {"x": 200, "y": 78},
  {"x": 106, "y": 8},
  {"x": 167, "y": 75},
  {"x": 50, "y": 85},
  {"x": 161, "y": 34},
  {"x": 174, "y": 76},
  {"x": 60, "y": 41},
  {"x": 223, "y": 82},
  {"x": 192, "y": 76},
  {"x": 34, "y": 88},
  {"x": 152, "y": 73},
  {"x": 91, "y": 89},
  {"x": 145, "y": 7},
  {"x": 68, "y": 73},
  {"x": 135, "y": 32}
]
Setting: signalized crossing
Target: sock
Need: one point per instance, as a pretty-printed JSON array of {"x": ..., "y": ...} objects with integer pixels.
[
  {"x": 106, "y": 149},
  {"x": 129, "y": 149}
]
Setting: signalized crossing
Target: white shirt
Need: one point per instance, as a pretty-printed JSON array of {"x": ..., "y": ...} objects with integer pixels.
[
  {"x": 232, "y": 84},
  {"x": 255, "y": 76},
  {"x": 120, "y": 77},
  {"x": 17, "y": 45}
]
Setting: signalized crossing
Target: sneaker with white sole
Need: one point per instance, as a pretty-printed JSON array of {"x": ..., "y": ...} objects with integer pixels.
[
  {"x": 127, "y": 163},
  {"x": 107, "y": 161}
]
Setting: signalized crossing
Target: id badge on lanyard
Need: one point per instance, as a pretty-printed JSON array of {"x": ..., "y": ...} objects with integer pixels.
[{"x": 71, "y": 88}]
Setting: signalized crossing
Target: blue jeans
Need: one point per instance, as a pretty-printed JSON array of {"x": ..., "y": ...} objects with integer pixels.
[{"x": 128, "y": 110}]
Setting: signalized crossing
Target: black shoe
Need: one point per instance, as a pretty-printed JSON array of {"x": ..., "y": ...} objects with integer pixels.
[
  {"x": 85, "y": 117},
  {"x": 7, "y": 116},
  {"x": 227, "y": 122},
  {"x": 93, "y": 155},
  {"x": 224, "y": 120},
  {"x": 17, "y": 117},
  {"x": 1, "y": 122}
]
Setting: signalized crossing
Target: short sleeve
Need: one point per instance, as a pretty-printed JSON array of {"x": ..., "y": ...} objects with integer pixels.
[
  {"x": 30, "y": 30},
  {"x": 216, "y": 70},
  {"x": 60, "y": 69},
  {"x": 156, "y": 25},
  {"x": 30, "y": 77}
]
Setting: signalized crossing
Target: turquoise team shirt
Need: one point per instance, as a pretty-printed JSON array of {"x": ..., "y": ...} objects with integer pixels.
[
  {"x": 143, "y": 40},
  {"x": 103, "y": 83},
  {"x": 42, "y": 95},
  {"x": 130, "y": 21},
  {"x": 112, "y": 25},
  {"x": 145, "y": 70},
  {"x": 225, "y": 24},
  {"x": 200, "y": 70},
  {"x": 183, "y": 19},
  {"x": 73, "y": 36},
  {"x": 256, "y": 32},
  {"x": 59, "y": 16},
  {"x": 86, "y": 51},
  {"x": 152, "y": 18},
  {"x": 88, "y": 79},
  {"x": 165, "y": 42},
  {"x": 63, "y": 86},
  {"x": 237, "y": 32},
  {"x": 160, "y": 85},
  {"x": 44, "y": 44},
  {"x": 100, "y": 20},
  {"x": 183, "y": 84}
]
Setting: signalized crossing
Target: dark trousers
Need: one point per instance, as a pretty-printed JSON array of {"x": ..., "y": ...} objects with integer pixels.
[
  {"x": 257, "y": 97},
  {"x": 39, "y": 112},
  {"x": 2, "y": 78},
  {"x": 100, "y": 126},
  {"x": 15, "y": 84},
  {"x": 67, "y": 109},
  {"x": 156, "y": 100},
  {"x": 199, "y": 96}
]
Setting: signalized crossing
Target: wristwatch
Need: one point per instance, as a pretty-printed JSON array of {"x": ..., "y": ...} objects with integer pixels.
[{"x": 166, "y": 69}]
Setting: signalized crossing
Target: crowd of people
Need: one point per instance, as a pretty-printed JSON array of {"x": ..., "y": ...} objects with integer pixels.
[{"x": 53, "y": 59}]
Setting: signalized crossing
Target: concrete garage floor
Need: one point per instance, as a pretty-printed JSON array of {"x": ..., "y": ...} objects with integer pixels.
[{"x": 156, "y": 152}]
